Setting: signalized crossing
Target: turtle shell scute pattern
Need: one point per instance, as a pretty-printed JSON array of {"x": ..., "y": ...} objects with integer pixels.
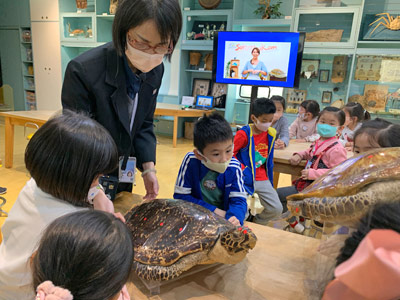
[
  {"x": 349, "y": 177},
  {"x": 164, "y": 230}
]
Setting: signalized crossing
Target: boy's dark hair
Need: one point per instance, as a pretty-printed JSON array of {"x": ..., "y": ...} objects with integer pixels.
[
  {"x": 312, "y": 107},
  {"x": 280, "y": 99},
  {"x": 378, "y": 133},
  {"x": 263, "y": 106},
  {"x": 132, "y": 13},
  {"x": 89, "y": 252},
  {"x": 381, "y": 216},
  {"x": 341, "y": 116},
  {"x": 66, "y": 155},
  {"x": 355, "y": 109},
  {"x": 211, "y": 129}
]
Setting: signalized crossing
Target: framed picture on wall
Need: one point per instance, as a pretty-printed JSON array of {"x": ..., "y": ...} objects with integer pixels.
[
  {"x": 309, "y": 68},
  {"x": 200, "y": 87},
  {"x": 326, "y": 97},
  {"x": 323, "y": 75}
]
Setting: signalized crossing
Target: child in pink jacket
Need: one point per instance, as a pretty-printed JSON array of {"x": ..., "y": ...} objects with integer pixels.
[{"x": 326, "y": 153}]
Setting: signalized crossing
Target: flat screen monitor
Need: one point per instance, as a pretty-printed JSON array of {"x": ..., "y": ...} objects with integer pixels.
[
  {"x": 258, "y": 58},
  {"x": 204, "y": 102}
]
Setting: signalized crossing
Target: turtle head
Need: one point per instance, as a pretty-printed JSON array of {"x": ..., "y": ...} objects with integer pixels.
[
  {"x": 239, "y": 239},
  {"x": 295, "y": 207}
]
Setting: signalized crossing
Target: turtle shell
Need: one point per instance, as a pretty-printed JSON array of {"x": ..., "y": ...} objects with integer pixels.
[
  {"x": 164, "y": 230},
  {"x": 349, "y": 177}
]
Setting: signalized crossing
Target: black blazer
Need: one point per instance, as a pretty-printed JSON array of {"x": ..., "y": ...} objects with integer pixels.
[{"x": 95, "y": 82}]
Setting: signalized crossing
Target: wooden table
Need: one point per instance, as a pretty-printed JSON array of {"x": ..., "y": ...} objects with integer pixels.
[
  {"x": 22, "y": 118},
  {"x": 40, "y": 117},
  {"x": 282, "y": 157},
  {"x": 176, "y": 111},
  {"x": 282, "y": 266}
]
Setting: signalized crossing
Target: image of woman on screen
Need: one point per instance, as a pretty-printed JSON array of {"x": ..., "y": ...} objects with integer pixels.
[{"x": 255, "y": 69}]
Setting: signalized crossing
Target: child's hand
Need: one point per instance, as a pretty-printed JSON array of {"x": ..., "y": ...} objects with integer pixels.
[
  {"x": 220, "y": 212},
  {"x": 295, "y": 159},
  {"x": 234, "y": 221},
  {"x": 118, "y": 215},
  {"x": 101, "y": 202},
  {"x": 124, "y": 295},
  {"x": 279, "y": 144},
  {"x": 304, "y": 174},
  {"x": 349, "y": 145}
]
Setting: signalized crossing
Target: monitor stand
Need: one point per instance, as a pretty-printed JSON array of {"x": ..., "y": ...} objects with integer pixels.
[{"x": 253, "y": 97}]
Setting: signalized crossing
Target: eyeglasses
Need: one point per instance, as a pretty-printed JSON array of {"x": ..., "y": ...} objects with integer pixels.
[{"x": 144, "y": 46}]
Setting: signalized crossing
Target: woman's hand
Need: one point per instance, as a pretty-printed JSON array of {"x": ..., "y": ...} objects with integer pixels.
[
  {"x": 295, "y": 159},
  {"x": 150, "y": 181}
]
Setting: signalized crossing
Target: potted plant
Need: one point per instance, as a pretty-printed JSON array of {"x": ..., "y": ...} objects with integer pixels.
[{"x": 267, "y": 10}]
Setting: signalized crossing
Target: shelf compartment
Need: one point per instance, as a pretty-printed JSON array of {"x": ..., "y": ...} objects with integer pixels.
[
  {"x": 337, "y": 18},
  {"x": 70, "y": 7},
  {"x": 77, "y": 28}
]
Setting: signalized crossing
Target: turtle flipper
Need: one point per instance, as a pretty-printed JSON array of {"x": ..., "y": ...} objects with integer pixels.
[
  {"x": 239, "y": 239},
  {"x": 161, "y": 273}
]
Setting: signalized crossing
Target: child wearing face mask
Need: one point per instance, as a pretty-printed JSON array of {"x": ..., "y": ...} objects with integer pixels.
[
  {"x": 304, "y": 129},
  {"x": 377, "y": 133},
  {"x": 254, "y": 148},
  {"x": 355, "y": 115},
  {"x": 280, "y": 123},
  {"x": 326, "y": 153},
  {"x": 209, "y": 176},
  {"x": 65, "y": 158}
]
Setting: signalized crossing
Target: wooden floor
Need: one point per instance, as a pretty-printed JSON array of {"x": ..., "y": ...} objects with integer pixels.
[{"x": 168, "y": 163}]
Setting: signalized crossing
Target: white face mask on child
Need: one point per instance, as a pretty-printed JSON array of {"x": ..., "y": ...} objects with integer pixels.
[
  {"x": 262, "y": 126},
  {"x": 216, "y": 167}
]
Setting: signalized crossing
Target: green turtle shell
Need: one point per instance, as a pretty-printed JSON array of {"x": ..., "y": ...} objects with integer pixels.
[
  {"x": 164, "y": 230},
  {"x": 352, "y": 175}
]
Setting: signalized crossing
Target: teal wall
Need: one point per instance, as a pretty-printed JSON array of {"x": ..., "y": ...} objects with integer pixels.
[{"x": 14, "y": 14}]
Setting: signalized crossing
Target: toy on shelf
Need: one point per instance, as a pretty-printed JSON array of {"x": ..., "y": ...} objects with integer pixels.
[
  {"x": 75, "y": 32},
  {"x": 113, "y": 6},
  {"x": 81, "y": 4},
  {"x": 388, "y": 21}
]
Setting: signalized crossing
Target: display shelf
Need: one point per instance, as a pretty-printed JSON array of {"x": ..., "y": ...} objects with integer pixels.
[
  {"x": 343, "y": 19},
  {"x": 28, "y": 78},
  {"x": 263, "y": 23},
  {"x": 77, "y": 27},
  {"x": 198, "y": 71}
]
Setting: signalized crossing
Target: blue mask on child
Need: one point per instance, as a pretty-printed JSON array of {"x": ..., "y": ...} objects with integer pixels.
[{"x": 326, "y": 130}]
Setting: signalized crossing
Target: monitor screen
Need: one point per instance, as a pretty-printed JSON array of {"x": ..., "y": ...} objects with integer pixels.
[
  {"x": 258, "y": 58},
  {"x": 204, "y": 101}
]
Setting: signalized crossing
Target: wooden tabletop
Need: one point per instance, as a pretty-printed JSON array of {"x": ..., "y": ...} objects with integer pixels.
[
  {"x": 32, "y": 115},
  {"x": 281, "y": 266},
  {"x": 177, "y": 110}
]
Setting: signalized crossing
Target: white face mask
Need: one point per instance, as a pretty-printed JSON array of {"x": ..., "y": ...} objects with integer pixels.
[
  {"x": 217, "y": 167},
  {"x": 143, "y": 61},
  {"x": 262, "y": 126}
]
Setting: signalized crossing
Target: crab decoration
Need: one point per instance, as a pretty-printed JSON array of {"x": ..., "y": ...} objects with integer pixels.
[{"x": 390, "y": 22}]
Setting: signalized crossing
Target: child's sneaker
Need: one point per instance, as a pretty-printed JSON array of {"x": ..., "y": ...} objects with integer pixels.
[
  {"x": 250, "y": 217},
  {"x": 299, "y": 228},
  {"x": 3, "y": 190}
]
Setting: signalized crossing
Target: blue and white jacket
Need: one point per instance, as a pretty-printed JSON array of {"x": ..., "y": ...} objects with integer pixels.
[
  {"x": 188, "y": 188},
  {"x": 246, "y": 156}
]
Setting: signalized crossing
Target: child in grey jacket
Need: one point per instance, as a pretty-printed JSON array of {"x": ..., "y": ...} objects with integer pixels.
[{"x": 280, "y": 123}]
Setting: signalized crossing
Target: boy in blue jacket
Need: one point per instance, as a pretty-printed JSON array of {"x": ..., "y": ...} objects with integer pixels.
[
  {"x": 209, "y": 176},
  {"x": 254, "y": 148}
]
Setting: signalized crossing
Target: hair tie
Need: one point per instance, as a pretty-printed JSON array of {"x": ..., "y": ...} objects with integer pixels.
[{"x": 47, "y": 291}]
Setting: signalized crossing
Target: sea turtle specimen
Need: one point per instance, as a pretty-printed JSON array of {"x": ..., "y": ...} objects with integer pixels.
[
  {"x": 171, "y": 236},
  {"x": 345, "y": 193}
]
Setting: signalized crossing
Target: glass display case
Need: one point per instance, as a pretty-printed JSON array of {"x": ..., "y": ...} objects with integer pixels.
[
  {"x": 77, "y": 28},
  {"x": 200, "y": 26},
  {"x": 376, "y": 84},
  {"x": 327, "y": 83},
  {"x": 333, "y": 27}
]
